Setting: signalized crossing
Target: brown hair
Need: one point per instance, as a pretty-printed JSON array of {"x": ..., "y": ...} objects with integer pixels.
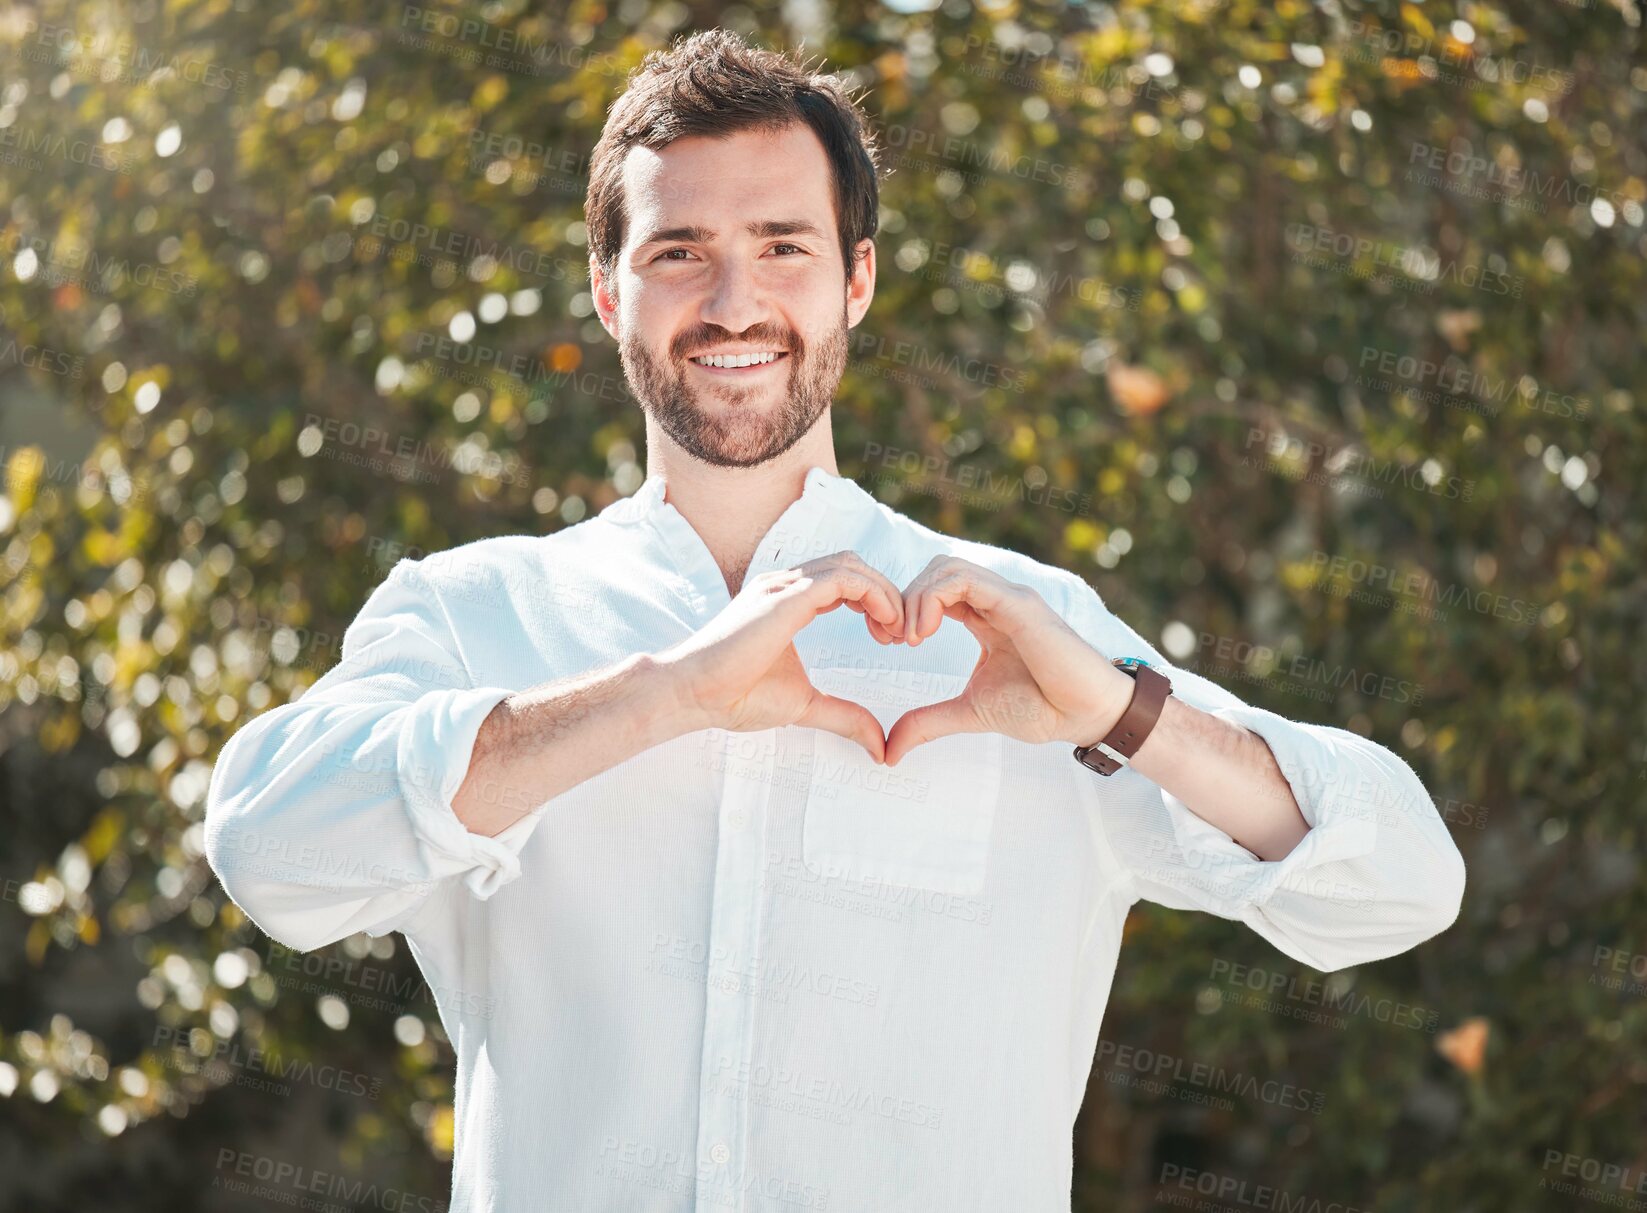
[{"x": 715, "y": 84}]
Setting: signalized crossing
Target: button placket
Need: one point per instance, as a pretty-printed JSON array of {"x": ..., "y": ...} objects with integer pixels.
[
  {"x": 733, "y": 981},
  {"x": 732, "y": 977}
]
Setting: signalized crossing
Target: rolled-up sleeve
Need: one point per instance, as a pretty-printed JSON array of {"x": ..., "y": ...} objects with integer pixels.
[
  {"x": 1376, "y": 874},
  {"x": 333, "y": 813}
]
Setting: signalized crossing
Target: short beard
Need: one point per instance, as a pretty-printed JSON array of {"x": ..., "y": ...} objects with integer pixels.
[{"x": 743, "y": 438}]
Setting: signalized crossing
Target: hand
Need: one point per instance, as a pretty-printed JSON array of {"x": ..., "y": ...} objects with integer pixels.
[
  {"x": 1036, "y": 680},
  {"x": 741, "y": 672}
]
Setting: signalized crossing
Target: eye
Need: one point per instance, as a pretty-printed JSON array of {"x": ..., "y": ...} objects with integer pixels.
[
  {"x": 666, "y": 255},
  {"x": 796, "y": 247}
]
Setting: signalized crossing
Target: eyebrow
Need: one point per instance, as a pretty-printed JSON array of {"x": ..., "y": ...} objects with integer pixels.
[{"x": 761, "y": 229}]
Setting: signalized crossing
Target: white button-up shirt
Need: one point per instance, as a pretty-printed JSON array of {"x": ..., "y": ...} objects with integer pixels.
[{"x": 757, "y": 971}]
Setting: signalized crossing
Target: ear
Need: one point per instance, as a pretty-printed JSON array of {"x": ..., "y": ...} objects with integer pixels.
[
  {"x": 604, "y": 292},
  {"x": 860, "y": 288}
]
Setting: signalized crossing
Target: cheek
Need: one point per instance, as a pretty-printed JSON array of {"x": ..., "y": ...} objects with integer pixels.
[{"x": 649, "y": 314}]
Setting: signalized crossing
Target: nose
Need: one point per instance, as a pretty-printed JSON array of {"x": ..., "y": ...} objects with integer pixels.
[{"x": 734, "y": 301}]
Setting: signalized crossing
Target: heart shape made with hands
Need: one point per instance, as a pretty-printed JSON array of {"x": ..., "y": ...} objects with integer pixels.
[{"x": 1035, "y": 679}]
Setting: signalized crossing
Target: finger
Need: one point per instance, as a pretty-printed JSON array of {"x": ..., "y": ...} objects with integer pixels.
[
  {"x": 920, "y": 725},
  {"x": 876, "y": 629},
  {"x": 950, "y": 583},
  {"x": 845, "y": 719},
  {"x": 890, "y": 625},
  {"x": 845, "y": 577}
]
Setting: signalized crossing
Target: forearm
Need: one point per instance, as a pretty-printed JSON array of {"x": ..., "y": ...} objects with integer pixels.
[
  {"x": 541, "y": 742},
  {"x": 1226, "y": 775},
  {"x": 1223, "y": 773}
]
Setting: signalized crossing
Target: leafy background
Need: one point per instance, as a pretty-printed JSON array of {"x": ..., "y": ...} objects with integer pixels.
[{"x": 1114, "y": 328}]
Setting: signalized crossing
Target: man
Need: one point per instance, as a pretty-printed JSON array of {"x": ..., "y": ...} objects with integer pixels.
[{"x": 732, "y": 898}]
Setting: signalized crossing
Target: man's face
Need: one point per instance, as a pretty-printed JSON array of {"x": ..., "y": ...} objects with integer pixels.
[{"x": 731, "y": 249}]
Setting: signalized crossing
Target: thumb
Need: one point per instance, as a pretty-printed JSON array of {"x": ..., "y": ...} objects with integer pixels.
[
  {"x": 847, "y": 719},
  {"x": 921, "y": 725}
]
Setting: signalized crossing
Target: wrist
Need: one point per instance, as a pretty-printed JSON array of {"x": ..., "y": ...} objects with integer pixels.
[
  {"x": 1112, "y": 693},
  {"x": 672, "y": 706}
]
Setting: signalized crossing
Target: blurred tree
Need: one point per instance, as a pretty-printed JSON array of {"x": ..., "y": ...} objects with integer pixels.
[{"x": 1308, "y": 333}]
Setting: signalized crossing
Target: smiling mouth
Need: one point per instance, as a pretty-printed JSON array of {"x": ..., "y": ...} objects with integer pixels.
[{"x": 738, "y": 364}]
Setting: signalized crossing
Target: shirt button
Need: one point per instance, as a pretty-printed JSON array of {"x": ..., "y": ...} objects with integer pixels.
[
  {"x": 718, "y": 1153},
  {"x": 736, "y": 819}
]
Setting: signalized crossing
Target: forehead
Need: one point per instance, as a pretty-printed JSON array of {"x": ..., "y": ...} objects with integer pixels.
[{"x": 718, "y": 182}]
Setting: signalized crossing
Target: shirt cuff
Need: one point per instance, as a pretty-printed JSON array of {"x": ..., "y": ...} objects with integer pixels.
[
  {"x": 433, "y": 754},
  {"x": 1240, "y": 881}
]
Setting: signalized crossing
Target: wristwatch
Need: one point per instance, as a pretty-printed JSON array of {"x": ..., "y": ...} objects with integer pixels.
[{"x": 1130, "y": 732}]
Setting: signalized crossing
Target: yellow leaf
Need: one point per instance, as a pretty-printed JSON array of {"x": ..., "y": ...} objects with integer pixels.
[
  {"x": 23, "y": 475},
  {"x": 38, "y": 939},
  {"x": 105, "y": 831},
  {"x": 489, "y": 92},
  {"x": 1082, "y": 536},
  {"x": 439, "y": 1131},
  {"x": 58, "y": 735}
]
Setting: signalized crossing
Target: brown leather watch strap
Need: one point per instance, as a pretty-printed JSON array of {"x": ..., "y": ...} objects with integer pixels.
[{"x": 1149, "y": 696}]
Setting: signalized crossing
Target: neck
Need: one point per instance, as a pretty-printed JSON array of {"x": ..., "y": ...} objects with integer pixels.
[{"x": 732, "y": 509}]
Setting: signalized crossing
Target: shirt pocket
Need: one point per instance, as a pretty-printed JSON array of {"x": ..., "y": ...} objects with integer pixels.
[{"x": 924, "y": 823}]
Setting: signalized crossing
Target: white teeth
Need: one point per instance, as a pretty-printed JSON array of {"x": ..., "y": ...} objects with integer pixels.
[{"x": 732, "y": 360}]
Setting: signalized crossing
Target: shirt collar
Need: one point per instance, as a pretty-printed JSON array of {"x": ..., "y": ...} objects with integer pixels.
[{"x": 833, "y": 493}]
